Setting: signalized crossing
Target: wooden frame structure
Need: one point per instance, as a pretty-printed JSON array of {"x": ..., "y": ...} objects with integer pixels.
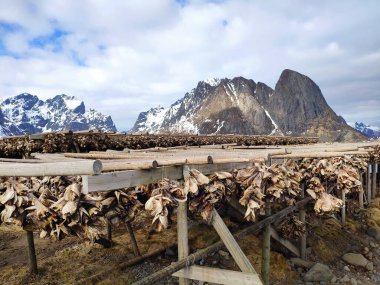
[{"x": 95, "y": 181}]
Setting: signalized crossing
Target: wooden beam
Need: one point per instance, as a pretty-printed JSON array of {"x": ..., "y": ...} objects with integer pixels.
[
  {"x": 302, "y": 217},
  {"x": 182, "y": 235},
  {"x": 69, "y": 168},
  {"x": 32, "y": 252},
  {"x": 121, "y": 179},
  {"x": 361, "y": 192},
  {"x": 265, "y": 264},
  {"x": 132, "y": 237},
  {"x": 369, "y": 192},
  {"x": 231, "y": 244},
  {"x": 321, "y": 154},
  {"x": 218, "y": 276},
  {"x": 343, "y": 210},
  {"x": 284, "y": 242},
  {"x": 374, "y": 193}
]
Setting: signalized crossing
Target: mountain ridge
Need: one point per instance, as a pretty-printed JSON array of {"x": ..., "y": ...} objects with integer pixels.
[
  {"x": 296, "y": 106},
  {"x": 27, "y": 114}
]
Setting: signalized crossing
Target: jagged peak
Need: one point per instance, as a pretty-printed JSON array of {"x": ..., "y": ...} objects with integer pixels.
[{"x": 212, "y": 81}]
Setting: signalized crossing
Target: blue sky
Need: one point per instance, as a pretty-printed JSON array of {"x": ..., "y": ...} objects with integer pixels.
[{"x": 124, "y": 57}]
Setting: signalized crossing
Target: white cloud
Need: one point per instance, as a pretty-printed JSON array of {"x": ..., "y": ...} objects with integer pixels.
[{"x": 123, "y": 57}]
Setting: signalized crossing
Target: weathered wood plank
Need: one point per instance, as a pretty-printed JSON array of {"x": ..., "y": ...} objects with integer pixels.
[
  {"x": 231, "y": 244},
  {"x": 302, "y": 217},
  {"x": 265, "y": 267},
  {"x": 31, "y": 252},
  {"x": 286, "y": 243},
  {"x": 80, "y": 167},
  {"x": 182, "y": 235},
  {"x": 219, "y": 276},
  {"x": 320, "y": 154},
  {"x": 369, "y": 192},
  {"x": 374, "y": 193},
  {"x": 121, "y": 179}
]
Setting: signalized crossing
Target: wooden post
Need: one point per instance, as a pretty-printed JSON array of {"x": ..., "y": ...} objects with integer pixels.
[
  {"x": 361, "y": 192},
  {"x": 302, "y": 217},
  {"x": 369, "y": 193},
  {"x": 265, "y": 267},
  {"x": 135, "y": 248},
  {"x": 343, "y": 210},
  {"x": 231, "y": 244},
  {"x": 182, "y": 235},
  {"x": 109, "y": 231},
  {"x": 374, "y": 194},
  {"x": 32, "y": 252}
]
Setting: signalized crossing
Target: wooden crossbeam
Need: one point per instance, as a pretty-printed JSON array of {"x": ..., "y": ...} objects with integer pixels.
[
  {"x": 231, "y": 244},
  {"x": 218, "y": 276},
  {"x": 284, "y": 242},
  {"x": 123, "y": 179}
]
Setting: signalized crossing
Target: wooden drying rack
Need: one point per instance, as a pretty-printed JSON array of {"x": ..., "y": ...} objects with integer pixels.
[{"x": 124, "y": 174}]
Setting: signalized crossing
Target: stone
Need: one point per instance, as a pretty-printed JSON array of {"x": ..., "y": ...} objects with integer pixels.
[
  {"x": 344, "y": 279},
  {"x": 224, "y": 254},
  {"x": 346, "y": 268},
  {"x": 372, "y": 244},
  {"x": 169, "y": 252},
  {"x": 373, "y": 233},
  {"x": 365, "y": 250},
  {"x": 334, "y": 279},
  {"x": 358, "y": 260},
  {"x": 319, "y": 272},
  {"x": 353, "y": 281},
  {"x": 298, "y": 262}
]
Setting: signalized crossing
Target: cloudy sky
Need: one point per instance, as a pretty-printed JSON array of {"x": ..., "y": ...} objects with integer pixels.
[{"x": 123, "y": 57}]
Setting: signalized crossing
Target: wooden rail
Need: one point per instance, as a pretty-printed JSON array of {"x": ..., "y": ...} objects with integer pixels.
[
  {"x": 69, "y": 168},
  {"x": 124, "y": 179}
]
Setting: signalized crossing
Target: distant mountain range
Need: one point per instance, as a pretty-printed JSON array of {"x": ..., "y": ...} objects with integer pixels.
[
  {"x": 371, "y": 132},
  {"x": 241, "y": 106},
  {"x": 27, "y": 114}
]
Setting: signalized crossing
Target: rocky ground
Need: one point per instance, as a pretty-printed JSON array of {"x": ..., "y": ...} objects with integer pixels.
[{"x": 336, "y": 253}]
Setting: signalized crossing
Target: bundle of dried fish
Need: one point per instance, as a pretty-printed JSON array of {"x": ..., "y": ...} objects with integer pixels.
[
  {"x": 291, "y": 228},
  {"x": 161, "y": 200},
  {"x": 324, "y": 201},
  {"x": 209, "y": 191},
  {"x": 13, "y": 200},
  {"x": 55, "y": 142},
  {"x": 374, "y": 155}
]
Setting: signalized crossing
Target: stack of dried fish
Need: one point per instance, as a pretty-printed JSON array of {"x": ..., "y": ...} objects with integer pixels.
[
  {"x": 56, "y": 206},
  {"x": 291, "y": 228},
  {"x": 374, "y": 155},
  {"x": 20, "y": 147},
  {"x": 206, "y": 192},
  {"x": 56, "y": 143},
  {"x": 162, "y": 200}
]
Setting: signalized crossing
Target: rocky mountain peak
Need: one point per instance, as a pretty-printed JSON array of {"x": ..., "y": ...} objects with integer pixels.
[
  {"x": 26, "y": 113},
  {"x": 295, "y": 107}
]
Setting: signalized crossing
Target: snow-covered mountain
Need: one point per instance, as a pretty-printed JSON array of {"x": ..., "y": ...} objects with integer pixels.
[
  {"x": 241, "y": 106},
  {"x": 27, "y": 114},
  {"x": 371, "y": 132}
]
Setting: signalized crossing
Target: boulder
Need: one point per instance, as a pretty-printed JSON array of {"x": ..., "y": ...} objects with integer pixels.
[
  {"x": 298, "y": 262},
  {"x": 358, "y": 260},
  {"x": 319, "y": 272}
]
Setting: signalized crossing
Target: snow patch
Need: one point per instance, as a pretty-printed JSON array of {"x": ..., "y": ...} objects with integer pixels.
[
  {"x": 213, "y": 81},
  {"x": 71, "y": 102}
]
